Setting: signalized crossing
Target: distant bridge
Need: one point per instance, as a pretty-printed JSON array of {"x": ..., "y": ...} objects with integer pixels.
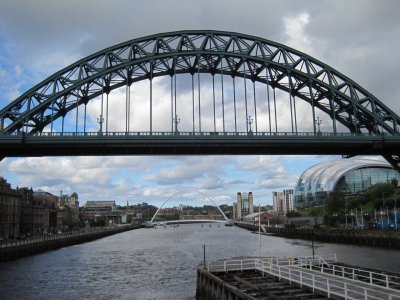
[
  {"x": 198, "y": 92},
  {"x": 174, "y": 222},
  {"x": 186, "y": 191}
]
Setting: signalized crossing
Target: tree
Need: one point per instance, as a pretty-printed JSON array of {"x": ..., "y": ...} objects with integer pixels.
[
  {"x": 293, "y": 214},
  {"x": 380, "y": 192},
  {"x": 336, "y": 202}
]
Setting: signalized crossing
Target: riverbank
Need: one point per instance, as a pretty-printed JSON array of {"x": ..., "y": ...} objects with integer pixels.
[
  {"x": 375, "y": 238},
  {"x": 17, "y": 249}
]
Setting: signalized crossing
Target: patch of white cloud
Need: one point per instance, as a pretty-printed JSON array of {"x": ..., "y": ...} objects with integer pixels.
[{"x": 295, "y": 32}]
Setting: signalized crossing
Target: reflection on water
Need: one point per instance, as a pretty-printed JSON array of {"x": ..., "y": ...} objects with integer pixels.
[{"x": 156, "y": 263}]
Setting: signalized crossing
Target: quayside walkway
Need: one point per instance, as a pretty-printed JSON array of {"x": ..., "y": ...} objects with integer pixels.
[
  {"x": 293, "y": 278},
  {"x": 10, "y": 250}
]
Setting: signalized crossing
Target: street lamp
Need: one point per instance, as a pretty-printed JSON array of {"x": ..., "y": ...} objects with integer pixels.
[
  {"x": 318, "y": 122},
  {"x": 176, "y": 121},
  {"x": 250, "y": 121},
  {"x": 100, "y": 120}
]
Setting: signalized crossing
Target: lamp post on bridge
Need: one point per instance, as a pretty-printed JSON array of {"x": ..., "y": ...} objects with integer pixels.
[
  {"x": 176, "y": 121},
  {"x": 100, "y": 120},
  {"x": 318, "y": 121},
  {"x": 250, "y": 121}
]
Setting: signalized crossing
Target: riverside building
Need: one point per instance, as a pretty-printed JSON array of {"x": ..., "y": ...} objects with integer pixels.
[
  {"x": 349, "y": 176},
  {"x": 10, "y": 207},
  {"x": 243, "y": 205},
  {"x": 283, "y": 201}
]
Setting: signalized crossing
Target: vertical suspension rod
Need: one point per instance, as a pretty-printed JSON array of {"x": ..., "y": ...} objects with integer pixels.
[
  {"x": 333, "y": 114},
  {"x": 127, "y": 105},
  {"x": 84, "y": 119},
  {"x": 312, "y": 107},
  {"x": 198, "y": 85},
  {"x": 62, "y": 125},
  {"x": 245, "y": 94},
  {"x": 151, "y": 98},
  {"x": 101, "y": 108},
  {"x": 223, "y": 100},
  {"x": 290, "y": 102},
  {"x": 29, "y": 108},
  {"x": 255, "y": 104},
  {"x": 193, "y": 102},
  {"x": 76, "y": 116},
  {"x": 175, "y": 108},
  {"x": 234, "y": 100},
  {"x": 276, "y": 119},
  {"x": 172, "y": 105},
  {"x": 213, "y": 84},
  {"x": 107, "y": 112},
  {"x": 295, "y": 113},
  {"x": 63, "y": 117},
  {"x": 269, "y": 103},
  {"x": 52, "y": 117}
]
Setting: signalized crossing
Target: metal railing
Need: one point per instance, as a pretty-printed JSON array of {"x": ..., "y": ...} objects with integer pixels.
[
  {"x": 357, "y": 274},
  {"x": 251, "y": 263},
  {"x": 203, "y": 133},
  {"x": 44, "y": 238},
  {"x": 289, "y": 270}
]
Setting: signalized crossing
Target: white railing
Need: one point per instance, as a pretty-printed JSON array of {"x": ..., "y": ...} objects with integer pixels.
[
  {"x": 233, "y": 265},
  {"x": 302, "y": 260},
  {"x": 373, "y": 278},
  {"x": 328, "y": 284},
  {"x": 288, "y": 269},
  {"x": 204, "y": 133}
]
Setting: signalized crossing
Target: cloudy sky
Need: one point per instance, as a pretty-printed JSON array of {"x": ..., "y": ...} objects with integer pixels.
[{"x": 360, "y": 38}]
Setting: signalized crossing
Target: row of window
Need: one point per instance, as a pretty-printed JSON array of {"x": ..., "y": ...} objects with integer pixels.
[{"x": 351, "y": 183}]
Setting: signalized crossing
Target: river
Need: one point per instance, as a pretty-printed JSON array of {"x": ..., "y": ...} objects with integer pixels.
[{"x": 157, "y": 263}]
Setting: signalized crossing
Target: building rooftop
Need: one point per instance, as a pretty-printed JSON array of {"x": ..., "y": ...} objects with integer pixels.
[
  {"x": 324, "y": 176},
  {"x": 99, "y": 203}
]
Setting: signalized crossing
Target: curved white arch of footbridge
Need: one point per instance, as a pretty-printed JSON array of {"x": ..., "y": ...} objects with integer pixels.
[{"x": 182, "y": 191}]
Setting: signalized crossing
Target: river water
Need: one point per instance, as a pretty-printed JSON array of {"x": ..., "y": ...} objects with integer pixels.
[{"x": 157, "y": 263}]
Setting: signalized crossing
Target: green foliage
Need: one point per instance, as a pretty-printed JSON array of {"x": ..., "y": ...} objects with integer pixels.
[
  {"x": 97, "y": 223},
  {"x": 293, "y": 214},
  {"x": 336, "y": 203},
  {"x": 381, "y": 195}
]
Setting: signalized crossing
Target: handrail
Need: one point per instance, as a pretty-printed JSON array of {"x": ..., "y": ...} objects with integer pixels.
[
  {"x": 39, "y": 239},
  {"x": 348, "y": 272},
  {"x": 205, "y": 133}
]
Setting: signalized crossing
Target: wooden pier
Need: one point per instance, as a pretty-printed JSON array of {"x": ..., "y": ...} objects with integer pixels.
[{"x": 293, "y": 278}]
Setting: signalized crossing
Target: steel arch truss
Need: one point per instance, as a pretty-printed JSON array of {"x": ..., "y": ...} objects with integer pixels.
[{"x": 194, "y": 52}]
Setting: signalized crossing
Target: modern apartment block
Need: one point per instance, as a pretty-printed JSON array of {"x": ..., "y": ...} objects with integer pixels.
[
  {"x": 243, "y": 205},
  {"x": 283, "y": 201}
]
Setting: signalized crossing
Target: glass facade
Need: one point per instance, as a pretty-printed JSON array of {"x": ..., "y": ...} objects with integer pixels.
[{"x": 350, "y": 176}]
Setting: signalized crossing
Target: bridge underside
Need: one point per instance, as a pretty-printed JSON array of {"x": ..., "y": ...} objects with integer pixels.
[{"x": 196, "y": 144}]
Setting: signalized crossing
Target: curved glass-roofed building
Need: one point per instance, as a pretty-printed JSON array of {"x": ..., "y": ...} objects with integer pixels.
[{"x": 350, "y": 176}]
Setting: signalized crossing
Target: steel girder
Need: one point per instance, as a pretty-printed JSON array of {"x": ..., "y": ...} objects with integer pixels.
[{"x": 194, "y": 52}]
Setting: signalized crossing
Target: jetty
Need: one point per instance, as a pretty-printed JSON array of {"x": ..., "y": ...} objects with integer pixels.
[{"x": 293, "y": 278}]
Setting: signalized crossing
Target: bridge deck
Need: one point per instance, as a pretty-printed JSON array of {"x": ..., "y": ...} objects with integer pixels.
[{"x": 204, "y": 143}]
